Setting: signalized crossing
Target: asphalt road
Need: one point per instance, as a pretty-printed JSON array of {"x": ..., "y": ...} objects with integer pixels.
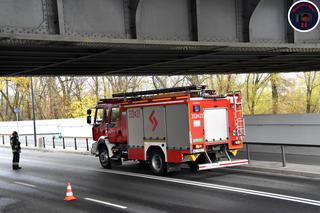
[{"x": 41, "y": 185}]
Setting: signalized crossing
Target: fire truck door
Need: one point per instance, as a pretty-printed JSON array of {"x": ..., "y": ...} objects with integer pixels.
[
  {"x": 216, "y": 124},
  {"x": 114, "y": 128},
  {"x": 99, "y": 126}
]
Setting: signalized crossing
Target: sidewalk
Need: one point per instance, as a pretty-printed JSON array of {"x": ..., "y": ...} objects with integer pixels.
[{"x": 311, "y": 171}]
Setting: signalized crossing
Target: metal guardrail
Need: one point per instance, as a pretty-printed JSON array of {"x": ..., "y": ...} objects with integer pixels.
[
  {"x": 282, "y": 146},
  {"x": 50, "y": 141},
  {"x": 77, "y": 140}
]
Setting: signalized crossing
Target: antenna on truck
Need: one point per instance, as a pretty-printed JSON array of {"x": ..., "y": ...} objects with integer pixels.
[{"x": 160, "y": 91}]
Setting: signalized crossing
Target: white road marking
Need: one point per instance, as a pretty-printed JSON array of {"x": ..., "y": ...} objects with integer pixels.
[
  {"x": 25, "y": 184},
  {"x": 106, "y": 203},
  {"x": 219, "y": 187},
  {"x": 205, "y": 185}
]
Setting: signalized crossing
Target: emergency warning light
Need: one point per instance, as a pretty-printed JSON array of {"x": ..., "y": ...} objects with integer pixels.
[{"x": 196, "y": 108}]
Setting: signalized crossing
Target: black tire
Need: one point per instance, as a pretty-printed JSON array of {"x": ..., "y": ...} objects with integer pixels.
[
  {"x": 104, "y": 158},
  {"x": 158, "y": 164}
]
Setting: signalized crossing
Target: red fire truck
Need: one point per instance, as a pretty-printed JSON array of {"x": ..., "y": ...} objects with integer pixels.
[{"x": 167, "y": 127}]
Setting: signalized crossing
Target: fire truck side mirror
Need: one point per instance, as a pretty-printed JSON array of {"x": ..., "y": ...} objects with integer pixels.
[
  {"x": 88, "y": 119},
  {"x": 89, "y": 116}
]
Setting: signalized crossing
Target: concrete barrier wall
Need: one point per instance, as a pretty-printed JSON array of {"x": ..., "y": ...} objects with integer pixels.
[
  {"x": 291, "y": 129},
  {"x": 288, "y": 129}
]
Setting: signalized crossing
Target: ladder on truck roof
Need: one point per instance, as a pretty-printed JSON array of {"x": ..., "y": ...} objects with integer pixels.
[
  {"x": 194, "y": 91},
  {"x": 187, "y": 89},
  {"x": 159, "y": 93}
]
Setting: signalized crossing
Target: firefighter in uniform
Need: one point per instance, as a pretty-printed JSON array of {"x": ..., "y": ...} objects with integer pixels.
[{"x": 16, "y": 149}]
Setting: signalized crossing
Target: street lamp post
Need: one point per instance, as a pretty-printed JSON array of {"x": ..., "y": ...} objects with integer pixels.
[
  {"x": 17, "y": 111},
  {"x": 33, "y": 114}
]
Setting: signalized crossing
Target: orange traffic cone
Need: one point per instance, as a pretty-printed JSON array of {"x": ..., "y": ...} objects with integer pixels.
[{"x": 69, "y": 195}]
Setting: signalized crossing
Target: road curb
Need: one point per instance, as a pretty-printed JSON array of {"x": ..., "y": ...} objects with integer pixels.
[{"x": 281, "y": 171}]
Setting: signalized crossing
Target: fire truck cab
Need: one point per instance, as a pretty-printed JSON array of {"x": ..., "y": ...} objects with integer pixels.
[{"x": 167, "y": 127}]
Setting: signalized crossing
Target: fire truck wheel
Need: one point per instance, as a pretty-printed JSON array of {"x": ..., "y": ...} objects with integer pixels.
[
  {"x": 104, "y": 158},
  {"x": 157, "y": 162}
]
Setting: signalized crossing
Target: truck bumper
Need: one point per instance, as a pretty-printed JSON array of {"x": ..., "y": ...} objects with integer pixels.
[{"x": 222, "y": 164}]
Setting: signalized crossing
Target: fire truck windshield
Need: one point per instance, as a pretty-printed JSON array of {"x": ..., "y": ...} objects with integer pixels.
[{"x": 99, "y": 116}]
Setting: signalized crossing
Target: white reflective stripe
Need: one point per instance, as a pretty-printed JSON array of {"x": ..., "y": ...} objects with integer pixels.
[
  {"x": 69, "y": 194},
  {"x": 222, "y": 164},
  {"x": 69, "y": 187},
  {"x": 196, "y": 99}
]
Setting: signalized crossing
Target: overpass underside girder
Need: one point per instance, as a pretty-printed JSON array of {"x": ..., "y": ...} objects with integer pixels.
[{"x": 151, "y": 37}]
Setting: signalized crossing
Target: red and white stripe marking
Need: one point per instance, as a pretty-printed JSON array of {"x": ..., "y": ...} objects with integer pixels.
[{"x": 222, "y": 164}]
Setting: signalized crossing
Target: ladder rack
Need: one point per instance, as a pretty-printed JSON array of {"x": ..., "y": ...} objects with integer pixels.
[
  {"x": 239, "y": 122},
  {"x": 187, "y": 89}
]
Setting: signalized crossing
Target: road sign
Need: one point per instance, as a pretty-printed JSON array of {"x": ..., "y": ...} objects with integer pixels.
[{"x": 16, "y": 110}]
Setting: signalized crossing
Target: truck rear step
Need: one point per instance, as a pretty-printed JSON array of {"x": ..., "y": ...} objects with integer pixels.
[{"x": 222, "y": 164}]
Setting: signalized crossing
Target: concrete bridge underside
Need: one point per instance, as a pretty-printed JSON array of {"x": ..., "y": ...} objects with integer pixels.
[{"x": 152, "y": 37}]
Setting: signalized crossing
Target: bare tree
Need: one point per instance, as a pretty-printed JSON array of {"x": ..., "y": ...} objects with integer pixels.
[
  {"x": 124, "y": 83},
  {"x": 196, "y": 79},
  {"x": 275, "y": 81},
  {"x": 312, "y": 82},
  {"x": 222, "y": 83},
  {"x": 254, "y": 86},
  {"x": 167, "y": 81}
]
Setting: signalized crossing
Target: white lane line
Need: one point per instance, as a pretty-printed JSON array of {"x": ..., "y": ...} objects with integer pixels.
[
  {"x": 206, "y": 185},
  {"x": 219, "y": 187},
  {"x": 106, "y": 203},
  {"x": 25, "y": 184}
]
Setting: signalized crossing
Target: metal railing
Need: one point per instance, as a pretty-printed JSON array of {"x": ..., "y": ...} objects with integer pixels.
[
  {"x": 73, "y": 142},
  {"x": 282, "y": 147},
  {"x": 51, "y": 141}
]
